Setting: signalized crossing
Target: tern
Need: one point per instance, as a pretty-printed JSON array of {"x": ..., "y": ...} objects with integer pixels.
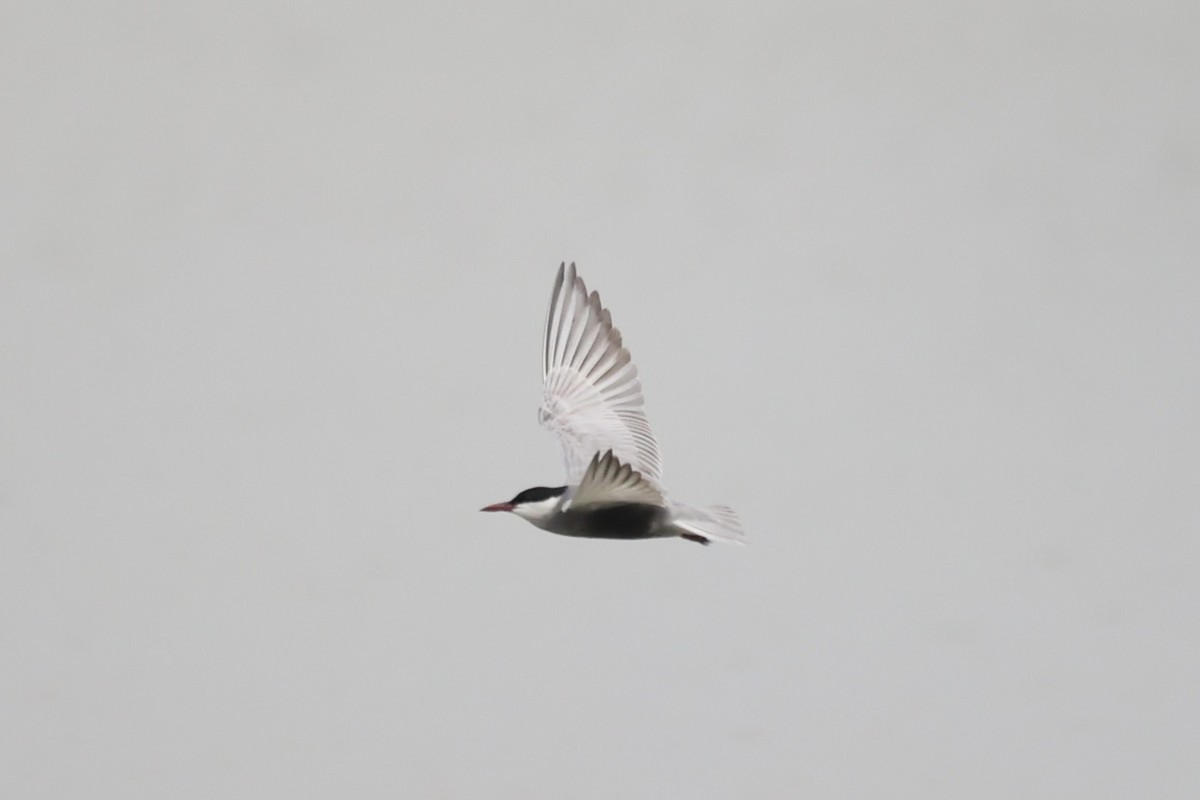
[{"x": 592, "y": 401}]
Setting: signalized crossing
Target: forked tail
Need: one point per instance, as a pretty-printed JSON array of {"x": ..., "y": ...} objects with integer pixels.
[{"x": 704, "y": 525}]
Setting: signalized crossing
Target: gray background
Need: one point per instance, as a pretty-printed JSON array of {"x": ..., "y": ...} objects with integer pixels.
[{"x": 912, "y": 286}]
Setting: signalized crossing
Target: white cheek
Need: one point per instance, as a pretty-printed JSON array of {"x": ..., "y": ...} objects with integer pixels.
[{"x": 536, "y": 511}]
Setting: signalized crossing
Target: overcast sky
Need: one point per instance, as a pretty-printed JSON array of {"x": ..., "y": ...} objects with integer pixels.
[{"x": 912, "y": 286}]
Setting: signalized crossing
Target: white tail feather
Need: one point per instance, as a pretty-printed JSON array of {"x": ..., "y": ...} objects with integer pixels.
[{"x": 712, "y": 524}]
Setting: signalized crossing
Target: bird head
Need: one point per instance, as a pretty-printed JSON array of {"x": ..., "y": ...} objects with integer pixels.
[{"x": 533, "y": 504}]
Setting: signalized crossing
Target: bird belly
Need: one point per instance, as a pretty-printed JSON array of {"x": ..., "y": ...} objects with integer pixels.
[{"x": 615, "y": 521}]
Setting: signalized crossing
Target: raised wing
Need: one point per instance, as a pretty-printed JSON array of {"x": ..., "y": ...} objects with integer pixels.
[
  {"x": 608, "y": 481},
  {"x": 591, "y": 395}
]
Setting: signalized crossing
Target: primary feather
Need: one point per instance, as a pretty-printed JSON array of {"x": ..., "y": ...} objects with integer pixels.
[
  {"x": 591, "y": 396},
  {"x": 607, "y": 481}
]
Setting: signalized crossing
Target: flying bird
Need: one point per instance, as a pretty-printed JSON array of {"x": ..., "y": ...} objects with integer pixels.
[{"x": 592, "y": 401}]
